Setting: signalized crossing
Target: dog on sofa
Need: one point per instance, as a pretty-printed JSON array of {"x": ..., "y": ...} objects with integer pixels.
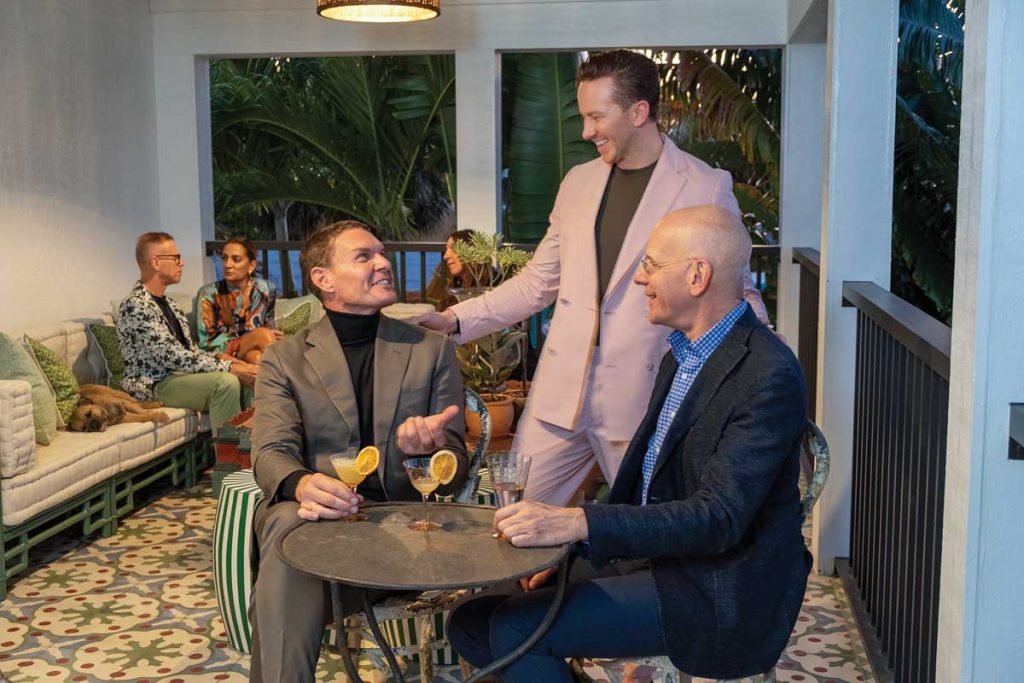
[{"x": 100, "y": 406}]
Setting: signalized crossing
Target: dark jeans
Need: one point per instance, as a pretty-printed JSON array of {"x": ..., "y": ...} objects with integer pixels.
[{"x": 611, "y": 614}]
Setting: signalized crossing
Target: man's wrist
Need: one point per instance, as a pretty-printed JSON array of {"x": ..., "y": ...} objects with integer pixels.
[{"x": 582, "y": 532}]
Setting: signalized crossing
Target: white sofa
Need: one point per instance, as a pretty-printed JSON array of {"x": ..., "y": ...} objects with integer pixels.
[{"x": 90, "y": 479}]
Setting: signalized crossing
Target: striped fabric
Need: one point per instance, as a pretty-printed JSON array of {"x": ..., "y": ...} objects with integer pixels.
[
  {"x": 403, "y": 633},
  {"x": 232, "y": 549},
  {"x": 485, "y": 494}
]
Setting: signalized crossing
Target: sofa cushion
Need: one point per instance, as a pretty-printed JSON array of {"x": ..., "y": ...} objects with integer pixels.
[
  {"x": 16, "y": 363},
  {"x": 73, "y": 463},
  {"x": 71, "y": 341},
  {"x": 17, "y": 429},
  {"x": 295, "y": 321},
  {"x": 146, "y": 440},
  {"x": 110, "y": 346},
  {"x": 59, "y": 376},
  {"x": 284, "y": 307}
]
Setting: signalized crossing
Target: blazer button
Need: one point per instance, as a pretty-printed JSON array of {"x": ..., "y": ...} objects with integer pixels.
[{"x": 650, "y": 366}]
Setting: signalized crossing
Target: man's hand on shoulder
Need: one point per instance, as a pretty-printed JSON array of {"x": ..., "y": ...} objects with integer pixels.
[
  {"x": 424, "y": 434},
  {"x": 529, "y": 523},
  {"x": 444, "y": 322},
  {"x": 245, "y": 372},
  {"x": 323, "y": 497}
]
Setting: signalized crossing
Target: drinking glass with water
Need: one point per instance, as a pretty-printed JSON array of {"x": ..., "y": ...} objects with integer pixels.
[{"x": 508, "y": 475}]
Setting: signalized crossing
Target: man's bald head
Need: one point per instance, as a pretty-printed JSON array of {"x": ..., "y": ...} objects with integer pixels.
[{"x": 707, "y": 232}]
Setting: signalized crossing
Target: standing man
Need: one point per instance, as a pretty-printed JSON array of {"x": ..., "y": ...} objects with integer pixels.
[
  {"x": 354, "y": 379},
  {"x": 597, "y": 366},
  {"x": 161, "y": 360},
  {"x": 698, "y": 553}
]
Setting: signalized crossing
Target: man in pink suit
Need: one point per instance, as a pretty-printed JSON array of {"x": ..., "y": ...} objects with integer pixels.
[{"x": 600, "y": 358}]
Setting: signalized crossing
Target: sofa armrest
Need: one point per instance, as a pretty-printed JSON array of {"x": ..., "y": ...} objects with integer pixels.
[{"x": 17, "y": 430}]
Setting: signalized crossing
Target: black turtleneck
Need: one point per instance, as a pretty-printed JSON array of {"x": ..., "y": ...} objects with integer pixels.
[{"x": 357, "y": 335}]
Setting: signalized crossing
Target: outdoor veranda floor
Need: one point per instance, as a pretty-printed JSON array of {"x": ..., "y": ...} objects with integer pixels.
[{"x": 140, "y": 606}]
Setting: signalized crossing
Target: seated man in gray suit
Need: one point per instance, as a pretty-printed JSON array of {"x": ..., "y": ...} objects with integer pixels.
[
  {"x": 353, "y": 379},
  {"x": 705, "y": 511}
]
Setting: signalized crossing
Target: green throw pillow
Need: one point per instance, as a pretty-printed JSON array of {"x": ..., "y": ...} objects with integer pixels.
[
  {"x": 296, "y": 321},
  {"x": 110, "y": 347},
  {"x": 16, "y": 363},
  {"x": 58, "y": 374}
]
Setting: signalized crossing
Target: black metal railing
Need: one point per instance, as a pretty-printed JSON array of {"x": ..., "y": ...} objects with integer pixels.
[
  {"x": 809, "y": 261},
  {"x": 898, "y": 479}
]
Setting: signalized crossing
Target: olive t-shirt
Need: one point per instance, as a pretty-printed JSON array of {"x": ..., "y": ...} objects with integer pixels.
[{"x": 622, "y": 195}]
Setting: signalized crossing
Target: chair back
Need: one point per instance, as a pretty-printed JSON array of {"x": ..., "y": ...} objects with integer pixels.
[
  {"x": 476, "y": 404},
  {"x": 815, "y": 446}
]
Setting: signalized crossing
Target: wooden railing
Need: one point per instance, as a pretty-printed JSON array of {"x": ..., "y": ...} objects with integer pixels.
[
  {"x": 809, "y": 261},
  {"x": 899, "y": 464}
]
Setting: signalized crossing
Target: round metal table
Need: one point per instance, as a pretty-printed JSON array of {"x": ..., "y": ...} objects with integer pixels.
[{"x": 383, "y": 553}]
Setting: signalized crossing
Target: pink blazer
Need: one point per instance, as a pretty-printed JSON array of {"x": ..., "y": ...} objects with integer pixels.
[{"x": 563, "y": 271}]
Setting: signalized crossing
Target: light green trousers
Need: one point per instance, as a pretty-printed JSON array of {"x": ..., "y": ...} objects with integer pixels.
[{"x": 218, "y": 393}]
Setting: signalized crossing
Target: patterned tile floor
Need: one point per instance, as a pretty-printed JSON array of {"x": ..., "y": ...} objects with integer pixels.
[{"x": 140, "y": 606}]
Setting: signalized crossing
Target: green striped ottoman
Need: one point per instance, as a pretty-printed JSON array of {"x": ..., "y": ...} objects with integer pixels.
[
  {"x": 232, "y": 550},
  {"x": 485, "y": 494}
]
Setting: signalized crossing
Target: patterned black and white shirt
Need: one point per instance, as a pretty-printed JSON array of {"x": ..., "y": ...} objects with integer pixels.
[{"x": 151, "y": 350}]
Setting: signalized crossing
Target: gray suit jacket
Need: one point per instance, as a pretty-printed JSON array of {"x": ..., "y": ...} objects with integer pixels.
[{"x": 306, "y": 405}]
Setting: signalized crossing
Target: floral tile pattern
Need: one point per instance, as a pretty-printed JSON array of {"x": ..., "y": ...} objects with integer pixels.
[{"x": 140, "y": 606}]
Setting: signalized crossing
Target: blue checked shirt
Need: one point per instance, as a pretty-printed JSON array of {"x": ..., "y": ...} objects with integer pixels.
[{"x": 691, "y": 357}]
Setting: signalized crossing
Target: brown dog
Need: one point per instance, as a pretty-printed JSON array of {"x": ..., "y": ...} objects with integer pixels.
[{"x": 101, "y": 406}]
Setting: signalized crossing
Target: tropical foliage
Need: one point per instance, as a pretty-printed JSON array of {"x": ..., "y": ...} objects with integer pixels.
[{"x": 370, "y": 138}]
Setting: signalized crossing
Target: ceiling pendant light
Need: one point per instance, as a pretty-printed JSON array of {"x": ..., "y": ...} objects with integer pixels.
[{"x": 378, "y": 11}]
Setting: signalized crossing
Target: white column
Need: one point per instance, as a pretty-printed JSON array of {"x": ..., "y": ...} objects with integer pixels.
[
  {"x": 980, "y": 601},
  {"x": 477, "y": 138},
  {"x": 857, "y": 233},
  {"x": 803, "y": 157}
]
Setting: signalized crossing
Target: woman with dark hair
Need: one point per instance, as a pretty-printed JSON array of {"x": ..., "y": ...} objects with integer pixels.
[
  {"x": 458, "y": 275},
  {"x": 235, "y": 315}
]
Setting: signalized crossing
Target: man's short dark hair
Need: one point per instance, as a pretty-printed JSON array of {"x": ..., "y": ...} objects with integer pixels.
[
  {"x": 319, "y": 248},
  {"x": 145, "y": 241},
  {"x": 635, "y": 77}
]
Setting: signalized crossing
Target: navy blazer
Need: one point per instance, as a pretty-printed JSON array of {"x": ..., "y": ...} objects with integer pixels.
[{"x": 722, "y": 524}]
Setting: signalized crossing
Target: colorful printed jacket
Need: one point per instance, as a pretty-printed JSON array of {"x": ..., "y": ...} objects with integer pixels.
[
  {"x": 150, "y": 349},
  {"x": 223, "y": 314}
]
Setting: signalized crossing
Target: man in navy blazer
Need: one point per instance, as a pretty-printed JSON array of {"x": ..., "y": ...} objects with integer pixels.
[{"x": 698, "y": 553}]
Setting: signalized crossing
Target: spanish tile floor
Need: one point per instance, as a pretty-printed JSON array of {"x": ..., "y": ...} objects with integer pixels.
[{"x": 140, "y": 606}]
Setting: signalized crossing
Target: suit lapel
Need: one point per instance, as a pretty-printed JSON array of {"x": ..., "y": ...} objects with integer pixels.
[
  {"x": 732, "y": 349},
  {"x": 667, "y": 181},
  {"x": 324, "y": 354},
  {"x": 390, "y": 360}
]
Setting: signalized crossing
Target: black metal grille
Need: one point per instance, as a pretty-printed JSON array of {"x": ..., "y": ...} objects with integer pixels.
[{"x": 899, "y": 459}]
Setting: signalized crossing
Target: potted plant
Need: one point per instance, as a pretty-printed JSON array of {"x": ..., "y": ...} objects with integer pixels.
[{"x": 488, "y": 362}]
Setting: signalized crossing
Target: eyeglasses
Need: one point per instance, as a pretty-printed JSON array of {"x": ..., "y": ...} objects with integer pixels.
[
  {"x": 649, "y": 266},
  {"x": 170, "y": 257}
]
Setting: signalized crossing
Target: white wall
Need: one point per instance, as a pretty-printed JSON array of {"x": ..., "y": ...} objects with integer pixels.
[
  {"x": 189, "y": 31},
  {"x": 77, "y": 155}
]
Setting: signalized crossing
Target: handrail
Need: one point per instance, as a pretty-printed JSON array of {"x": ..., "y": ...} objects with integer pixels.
[
  {"x": 809, "y": 259},
  {"x": 924, "y": 336}
]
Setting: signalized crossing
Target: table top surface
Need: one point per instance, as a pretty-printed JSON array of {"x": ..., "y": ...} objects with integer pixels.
[{"x": 382, "y": 552}]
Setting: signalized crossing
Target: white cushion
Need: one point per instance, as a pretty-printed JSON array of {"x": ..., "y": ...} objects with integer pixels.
[
  {"x": 147, "y": 440},
  {"x": 17, "y": 430},
  {"x": 73, "y": 463},
  {"x": 283, "y": 307},
  {"x": 72, "y": 342}
]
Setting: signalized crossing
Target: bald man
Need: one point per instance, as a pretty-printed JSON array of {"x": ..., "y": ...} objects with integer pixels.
[{"x": 698, "y": 553}]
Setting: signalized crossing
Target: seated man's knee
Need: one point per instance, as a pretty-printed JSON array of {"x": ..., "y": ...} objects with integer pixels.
[{"x": 225, "y": 382}]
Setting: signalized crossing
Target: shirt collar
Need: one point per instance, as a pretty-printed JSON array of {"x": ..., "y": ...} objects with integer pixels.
[{"x": 704, "y": 346}]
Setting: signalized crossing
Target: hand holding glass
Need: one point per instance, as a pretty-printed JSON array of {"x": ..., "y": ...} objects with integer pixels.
[{"x": 509, "y": 472}]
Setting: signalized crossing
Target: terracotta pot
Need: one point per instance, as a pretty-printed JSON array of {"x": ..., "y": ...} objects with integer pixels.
[{"x": 502, "y": 413}]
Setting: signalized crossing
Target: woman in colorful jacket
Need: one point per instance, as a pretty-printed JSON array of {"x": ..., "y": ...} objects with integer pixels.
[{"x": 235, "y": 315}]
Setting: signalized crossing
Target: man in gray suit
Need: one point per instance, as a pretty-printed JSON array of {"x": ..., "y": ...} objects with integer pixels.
[{"x": 353, "y": 379}]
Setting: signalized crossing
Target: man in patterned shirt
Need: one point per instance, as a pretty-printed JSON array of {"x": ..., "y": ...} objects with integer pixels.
[
  {"x": 161, "y": 361},
  {"x": 698, "y": 554}
]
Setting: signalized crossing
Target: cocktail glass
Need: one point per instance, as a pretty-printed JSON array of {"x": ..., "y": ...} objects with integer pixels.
[
  {"x": 345, "y": 465},
  {"x": 418, "y": 470}
]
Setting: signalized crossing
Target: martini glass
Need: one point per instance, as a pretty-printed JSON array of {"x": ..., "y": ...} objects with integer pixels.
[{"x": 418, "y": 470}]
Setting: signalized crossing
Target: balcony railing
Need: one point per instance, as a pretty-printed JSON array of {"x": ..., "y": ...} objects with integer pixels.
[
  {"x": 809, "y": 261},
  {"x": 899, "y": 463}
]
